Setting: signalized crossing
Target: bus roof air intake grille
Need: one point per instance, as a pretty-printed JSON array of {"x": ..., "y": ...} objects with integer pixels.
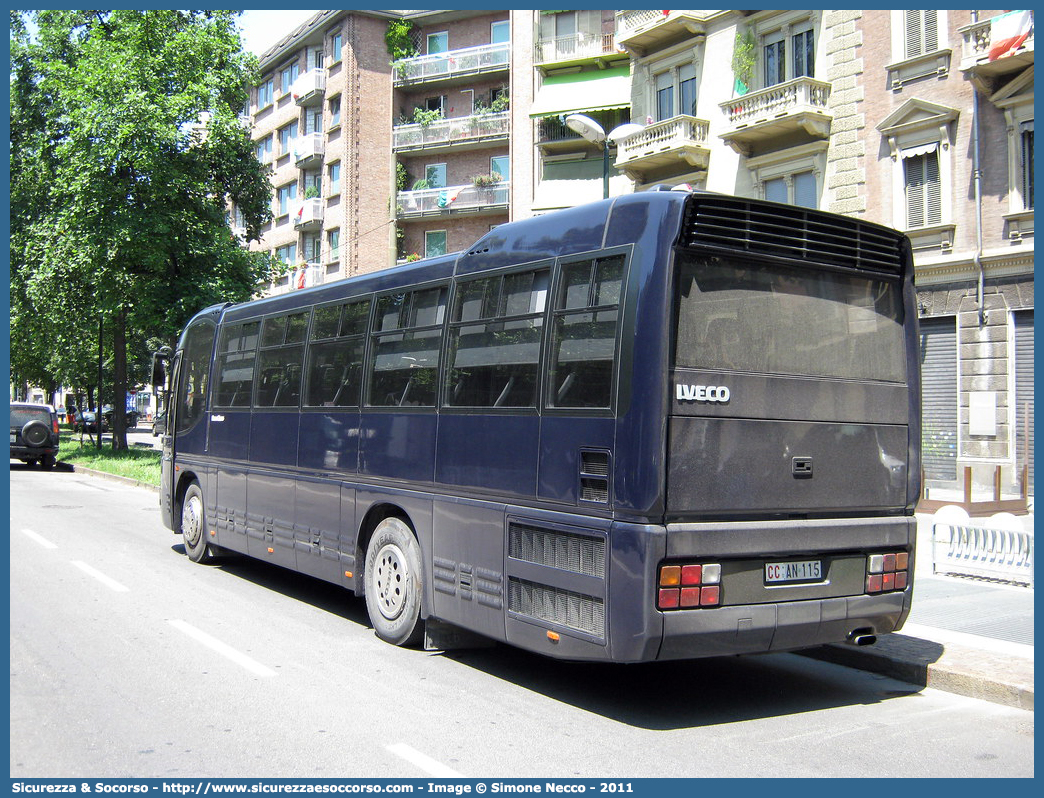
[{"x": 790, "y": 232}]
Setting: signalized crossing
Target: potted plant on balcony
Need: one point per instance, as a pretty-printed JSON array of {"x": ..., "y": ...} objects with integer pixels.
[
  {"x": 743, "y": 58},
  {"x": 311, "y": 192},
  {"x": 486, "y": 184}
]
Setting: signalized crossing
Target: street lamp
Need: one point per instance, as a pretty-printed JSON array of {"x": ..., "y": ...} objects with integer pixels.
[{"x": 590, "y": 130}]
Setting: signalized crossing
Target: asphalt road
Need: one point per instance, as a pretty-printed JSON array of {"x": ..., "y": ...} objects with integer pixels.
[{"x": 129, "y": 660}]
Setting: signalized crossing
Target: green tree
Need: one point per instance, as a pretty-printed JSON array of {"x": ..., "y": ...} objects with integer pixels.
[{"x": 126, "y": 153}]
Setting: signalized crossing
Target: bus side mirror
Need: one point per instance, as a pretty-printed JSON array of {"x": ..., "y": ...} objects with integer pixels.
[{"x": 159, "y": 368}]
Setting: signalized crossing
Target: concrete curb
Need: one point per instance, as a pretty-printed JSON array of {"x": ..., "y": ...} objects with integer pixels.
[
  {"x": 79, "y": 469},
  {"x": 987, "y": 675}
]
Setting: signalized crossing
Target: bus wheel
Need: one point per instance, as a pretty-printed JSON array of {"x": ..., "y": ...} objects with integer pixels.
[
  {"x": 193, "y": 525},
  {"x": 393, "y": 583}
]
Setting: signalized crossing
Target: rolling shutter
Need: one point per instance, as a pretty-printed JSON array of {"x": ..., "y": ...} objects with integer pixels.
[
  {"x": 1024, "y": 392},
  {"x": 939, "y": 398}
]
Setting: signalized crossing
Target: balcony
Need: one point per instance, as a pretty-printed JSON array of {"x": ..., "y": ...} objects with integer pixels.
[
  {"x": 309, "y": 150},
  {"x": 455, "y": 200},
  {"x": 309, "y": 88},
  {"x": 663, "y": 144},
  {"x": 455, "y": 65},
  {"x": 986, "y": 59},
  {"x": 469, "y": 132},
  {"x": 643, "y": 30},
  {"x": 577, "y": 48},
  {"x": 797, "y": 106},
  {"x": 309, "y": 214}
]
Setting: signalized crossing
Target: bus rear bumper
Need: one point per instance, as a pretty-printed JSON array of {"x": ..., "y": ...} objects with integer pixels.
[{"x": 746, "y": 629}]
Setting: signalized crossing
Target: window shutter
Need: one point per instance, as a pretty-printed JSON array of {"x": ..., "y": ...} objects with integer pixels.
[
  {"x": 914, "y": 191},
  {"x": 1027, "y": 166},
  {"x": 931, "y": 31},
  {"x": 932, "y": 189},
  {"x": 805, "y": 189},
  {"x": 913, "y": 30}
]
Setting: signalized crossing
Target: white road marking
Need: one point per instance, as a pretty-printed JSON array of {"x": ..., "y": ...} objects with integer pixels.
[
  {"x": 223, "y": 649},
  {"x": 110, "y": 583},
  {"x": 39, "y": 539},
  {"x": 424, "y": 762}
]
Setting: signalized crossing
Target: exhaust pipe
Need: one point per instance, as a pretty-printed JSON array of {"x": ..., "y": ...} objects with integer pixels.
[{"x": 861, "y": 637}]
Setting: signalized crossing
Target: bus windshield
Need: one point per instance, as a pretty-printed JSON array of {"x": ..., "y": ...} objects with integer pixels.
[{"x": 739, "y": 315}]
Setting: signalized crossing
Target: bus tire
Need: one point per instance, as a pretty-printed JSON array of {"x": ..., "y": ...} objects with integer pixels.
[
  {"x": 394, "y": 583},
  {"x": 194, "y": 525}
]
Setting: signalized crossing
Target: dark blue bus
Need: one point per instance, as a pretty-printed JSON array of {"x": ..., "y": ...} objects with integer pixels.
[{"x": 665, "y": 425}]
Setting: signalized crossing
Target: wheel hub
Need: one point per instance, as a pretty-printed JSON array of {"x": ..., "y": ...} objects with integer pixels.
[
  {"x": 390, "y": 580},
  {"x": 192, "y": 520}
]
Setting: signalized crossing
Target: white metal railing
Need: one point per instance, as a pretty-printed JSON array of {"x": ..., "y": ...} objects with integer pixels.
[
  {"x": 449, "y": 131},
  {"x": 308, "y": 146},
  {"x": 311, "y": 84},
  {"x": 630, "y": 22},
  {"x": 575, "y": 45},
  {"x": 309, "y": 212},
  {"x": 978, "y": 38},
  {"x": 793, "y": 96},
  {"x": 674, "y": 133},
  {"x": 451, "y": 63},
  {"x": 1004, "y": 554},
  {"x": 469, "y": 197}
]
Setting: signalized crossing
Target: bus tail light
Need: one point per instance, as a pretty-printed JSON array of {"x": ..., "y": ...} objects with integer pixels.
[
  {"x": 886, "y": 573},
  {"x": 689, "y": 586}
]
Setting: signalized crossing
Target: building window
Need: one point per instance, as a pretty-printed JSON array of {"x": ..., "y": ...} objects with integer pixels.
[
  {"x": 288, "y": 75},
  {"x": 664, "y": 96},
  {"x": 313, "y": 248},
  {"x": 286, "y": 194},
  {"x": 264, "y": 94},
  {"x": 687, "y": 89},
  {"x": 436, "y": 104},
  {"x": 500, "y": 165},
  {"x": 435, "y": 174},
  {"x": 438, "y": 42},
  {"x": 923, "y": 187},
  {"x": 287, "y": 254},
  {"x": 804, "y": 54},
  {"x": 921, "y": 32},
  {"x": 335, "y": 112},
  {"x": 287, "y": 137},
  {"x": 335, "y": 47},
  {"x": 334, "y": 171},
  {"x": 318, "y": 57},
  {"x": 794, "y": 189},
  {"x": 314, "y": 121},
  {"x": 333, "y": 241},
  {"x": 1027, "y": 165},
  {"x": 775, "y": 61},
  {"x": 263, "y": 150},
  {"x": 500, "y": 32},
  {"x": 313, "y": 180},
  {"x": 434, "y": 243}
]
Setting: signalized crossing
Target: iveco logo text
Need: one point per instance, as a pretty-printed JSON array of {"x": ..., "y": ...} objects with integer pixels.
[{"x": 703, "y": 393}]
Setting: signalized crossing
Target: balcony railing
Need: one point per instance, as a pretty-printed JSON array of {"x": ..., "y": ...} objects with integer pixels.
[
  {"x": 448, "y": 132},
  {"x": 453, "y": 199},
  {"x": 309, "y": 149},
  {"x": 981, "y": 37},
  {"x": 310, "y": 87},
  {"x": 575, "y": 47},
  {"x": 309, "y": 214},
  {"x": 799, "y": 104},
  {"x": 641, "y": 29},
  {"x": 440, "y": 66},
  {"x": 678, "y": 138}
]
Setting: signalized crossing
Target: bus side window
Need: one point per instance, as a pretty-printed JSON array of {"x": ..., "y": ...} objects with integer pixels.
[
  {"x": 195, "y": 372},
  {"x": 335, "y": 355},
  {"x": 279, "y": 363},
  {"x": 236, "y": 355},
  {"x": 583, "y": 344},
  {"x": 403, "y": 370}
]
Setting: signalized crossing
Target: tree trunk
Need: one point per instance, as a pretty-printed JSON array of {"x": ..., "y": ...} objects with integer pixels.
[{"x": 119, "y": 401}]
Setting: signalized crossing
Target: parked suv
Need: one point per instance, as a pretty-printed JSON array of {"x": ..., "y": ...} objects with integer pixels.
[{"x": 34, "y": 434}]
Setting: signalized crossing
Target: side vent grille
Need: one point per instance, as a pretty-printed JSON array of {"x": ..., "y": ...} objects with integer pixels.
[
  {"x": 594, "y": 476},
  {"x": 554, "y": 605},
  {"x": 553, "y": 549},
  {"x": 791, "y": 232}
]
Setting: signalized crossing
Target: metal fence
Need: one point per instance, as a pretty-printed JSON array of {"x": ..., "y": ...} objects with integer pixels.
[{"x": 1005, "y": 554}]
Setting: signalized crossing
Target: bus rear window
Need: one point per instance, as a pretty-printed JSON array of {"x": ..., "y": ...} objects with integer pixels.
[{"x": 749, "y": 316}]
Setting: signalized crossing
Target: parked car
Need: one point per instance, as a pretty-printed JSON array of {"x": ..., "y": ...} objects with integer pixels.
[
  {"x": 34, "y": 434},
  {"x": 130, "y": 415},
  {"x": 85, "y": 420},
  {"x": 159, "y": 423}
]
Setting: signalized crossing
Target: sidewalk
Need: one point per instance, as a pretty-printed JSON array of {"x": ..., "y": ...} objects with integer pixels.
[{"x": 964, "y": 635}]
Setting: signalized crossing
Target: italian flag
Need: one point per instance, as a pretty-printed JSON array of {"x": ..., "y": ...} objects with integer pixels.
[{"x": 1008, "y": 32}]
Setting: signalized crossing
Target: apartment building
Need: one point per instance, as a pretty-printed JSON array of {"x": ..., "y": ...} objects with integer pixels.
[
  {"x": 870, "y": 113},
  {"x": 450, "y": 130}
]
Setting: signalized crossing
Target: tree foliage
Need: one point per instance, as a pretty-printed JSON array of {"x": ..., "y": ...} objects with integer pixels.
[{"x": 126, "y": 154}]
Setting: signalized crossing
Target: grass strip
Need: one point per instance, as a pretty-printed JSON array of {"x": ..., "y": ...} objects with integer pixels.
[{"x": 140, "y": 463}]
